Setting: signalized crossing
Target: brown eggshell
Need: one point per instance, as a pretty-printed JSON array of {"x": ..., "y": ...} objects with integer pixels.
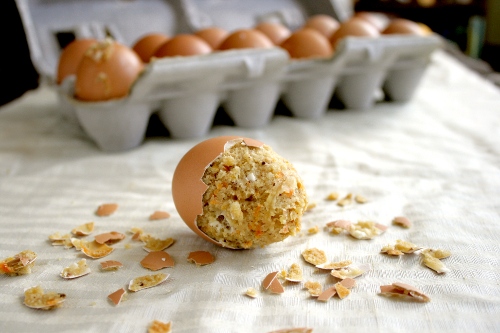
[
  {"x": 107, "y": 71},
  {"x": 214, "y": 36},
  {"x": 404, "y": 26},
  {"x": 276, "y": 32},
  {"x": 307, "y": 43},
  {"x": 378, "y": 20},
  {"x": 354, "y": 27},
  {"x": 246, "y": 38},
  {"x": 147, "y": 45},
  {"x": 325, "y": 24},
  {"x": 187, "y": 186},
  {"x": 183, "y": 45},
  {"x": 71, "y": 56}
]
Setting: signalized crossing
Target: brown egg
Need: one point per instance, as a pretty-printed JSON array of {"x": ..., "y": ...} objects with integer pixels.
[
  {"x": 147, "y": 45},
  {"x": 187, "y": 186},
  {"x": 238, "y": 193},
  {"x": 276, "y": 32},
  {"x": 183, "y": 45},
  {"x": 403, "y": 26},
  {"x": 307, "y": 43},
  {"x": 378, "y": 20},
  {"x": 325, "y": 24},
  {"x": 246, "y": 38},
  {"x": 107, "y": 71},
  {"x": 71, "y": 56},
  {"x": 214, "y": 36},
  {"x": 354, "y": 27}
]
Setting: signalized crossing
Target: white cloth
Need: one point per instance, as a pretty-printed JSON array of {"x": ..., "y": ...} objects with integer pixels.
[{"x": 435, "y": 160}]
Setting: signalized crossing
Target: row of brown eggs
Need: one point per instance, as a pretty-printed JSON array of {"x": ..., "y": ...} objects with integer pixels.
[{"x": 107, "y": 69}]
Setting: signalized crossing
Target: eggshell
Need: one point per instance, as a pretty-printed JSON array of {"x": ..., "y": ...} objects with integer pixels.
[
  {"x": 187, "y": 186},
  {"x": 71, "y": 56},
  {"x": 107, "y": 71},
  {"x": 147, "y": 45},
  {"x": 354, "y": 27},
  {"x": 214, "y": 36},
  {"x": 378, "y": 20},
  {"x": 246, "y": 38},
  {"x": 307, "y": 43},
  {"x": 183, "y": 45},
  {"x": 276, "y": 32},
  {"x": 325, "y": 24},
  {"x": 404, "y": 26}
]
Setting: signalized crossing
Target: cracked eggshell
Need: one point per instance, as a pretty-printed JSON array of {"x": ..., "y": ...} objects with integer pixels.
[{"x": 187, "y": 186}]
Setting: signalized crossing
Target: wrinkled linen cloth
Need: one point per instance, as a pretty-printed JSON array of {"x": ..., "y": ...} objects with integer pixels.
[{"x": 434, "y": 160}]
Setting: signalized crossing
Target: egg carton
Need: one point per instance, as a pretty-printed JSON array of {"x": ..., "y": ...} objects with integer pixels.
[{"x": 185, "y": 92}]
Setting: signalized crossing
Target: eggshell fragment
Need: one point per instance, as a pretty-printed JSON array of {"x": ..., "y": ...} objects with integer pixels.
[
  {"x": 19, "y": 264},
  {"x": 314, "y": 256},
  {"x": 272, "y": 283},
  {"x": 201, "y": 258},
  {"x": 294, "y": 273},
  {"x": 294, "y": 330},
  {"x": 84, "y": 229},
  {"x": 334, "y": 265},
  {"x": 251, "y": 292},
  {"x": 404, "y": 290},
  {"x": 147, "y": 281},
  {"x": 109, "y": 237},
  {"x": 36, "y": 298},
  {"x": 157, "y": 260},
  {"x": 159, "y": 215},
  {"x": 95, "y": 250},
  {"x": 117, "y": 296},
  {"x": 76, "y": 270},
  {"x": 106, "y": 209},
  {"x": 111, "y": 265},
  {"x": 327, "y": 294},
  {"x": 342, "y": 291},
  {"x": 152, "y": 244},
  {"x": 402, "y": 222}
]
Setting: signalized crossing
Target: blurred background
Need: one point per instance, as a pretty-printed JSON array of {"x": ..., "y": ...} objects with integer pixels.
[{"x": 471, "y": 27}]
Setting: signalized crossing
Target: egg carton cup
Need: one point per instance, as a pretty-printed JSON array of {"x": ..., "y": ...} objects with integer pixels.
[{"x": 186, "y": 92}]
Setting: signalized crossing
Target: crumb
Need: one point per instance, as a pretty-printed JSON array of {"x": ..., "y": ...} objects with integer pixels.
[
  {"x": 342, "y": 291},
  {"x": 366, "y": 230},
  {"x": 160, "y": 327},
  {"x": 294, "y": 273},
  {"x": 313, "y": 230},
  {"x": 332, "y": 196},
  {"x": 106, "y": 209},
  {"x": 314, "y": 256},
  {"x": 251, "y": 292},
  {"x": 314, "y": 288},
  {"x": 360, "y": 199},
  {"x": 347, "y": 200},
  {"x": 310, "y": 206}
]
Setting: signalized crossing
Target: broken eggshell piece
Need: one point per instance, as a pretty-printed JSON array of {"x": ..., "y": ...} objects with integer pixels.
[{"x": 187, "y": 191}]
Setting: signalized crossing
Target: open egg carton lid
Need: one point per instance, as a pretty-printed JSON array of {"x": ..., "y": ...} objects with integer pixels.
[{"x": 186, "y": 92}]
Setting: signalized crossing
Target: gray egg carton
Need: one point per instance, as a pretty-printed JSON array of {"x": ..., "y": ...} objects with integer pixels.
[{"x": 185, "y": 92}]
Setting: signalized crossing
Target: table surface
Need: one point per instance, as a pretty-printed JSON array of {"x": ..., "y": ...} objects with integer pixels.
[{"x": 435, "y": 160}]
